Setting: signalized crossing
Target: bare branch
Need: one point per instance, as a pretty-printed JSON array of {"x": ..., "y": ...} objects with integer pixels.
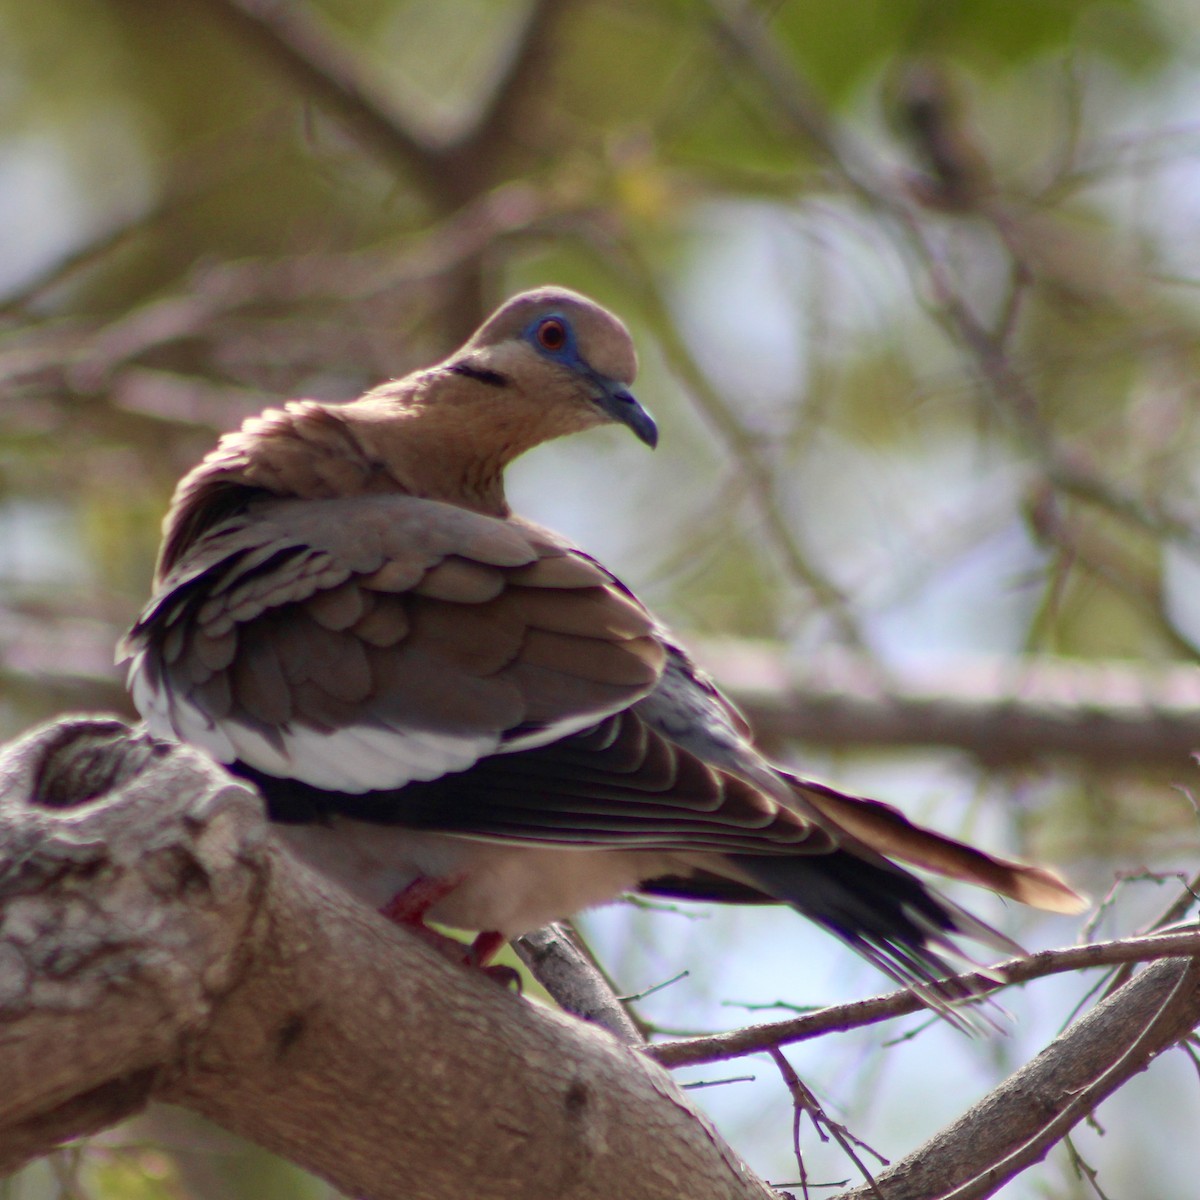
[
  {"x": 564, "y": 968},
  {"x": 289, "y": 37},
  {"x": 157, "y": 944},
  {"x": 741, "y": 33},
  {"x": 1003, "y": 711},
  {"x": 1015, "y": 1125},
  {"x": 838, "y": 1018},
  {"x": 524, "y": 78},
  {"x": 203, "y": 168},
  {"x": 804, "y": 1102},
  {"x": 67, "y": 361}
]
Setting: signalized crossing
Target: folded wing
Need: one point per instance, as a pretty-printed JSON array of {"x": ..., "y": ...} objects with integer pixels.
[{"x": 361, "y": 643}]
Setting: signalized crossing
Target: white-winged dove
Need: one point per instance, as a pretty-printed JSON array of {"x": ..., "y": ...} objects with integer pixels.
[{"x": 448, "y": 705}]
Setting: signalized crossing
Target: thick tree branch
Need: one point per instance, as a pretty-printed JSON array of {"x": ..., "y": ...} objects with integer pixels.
[
  {"x": 1005, "y": 712},
  {"x": 156, "y": 944},
  {"x": 1016, "y": 1125}
]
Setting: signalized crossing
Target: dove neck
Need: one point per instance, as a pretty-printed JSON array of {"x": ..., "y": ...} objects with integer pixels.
[
  {"x": 438, "y": 441},
  {"x": 420, "y": 465}
]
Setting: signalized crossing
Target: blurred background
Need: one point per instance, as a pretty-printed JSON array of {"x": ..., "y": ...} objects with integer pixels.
[{"x": 916, "y": 288}]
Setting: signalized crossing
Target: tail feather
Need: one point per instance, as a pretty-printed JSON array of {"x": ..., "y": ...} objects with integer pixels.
[
  {"x": 884, "y": 913},
  {"x": 887, "y": 831}
]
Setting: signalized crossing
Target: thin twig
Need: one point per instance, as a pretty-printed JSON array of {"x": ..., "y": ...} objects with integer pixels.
[
  {"x": 804, "y": 1101},
  {"x": 1084, "y": 1169},
  {"x": 839, "y": 1018}
]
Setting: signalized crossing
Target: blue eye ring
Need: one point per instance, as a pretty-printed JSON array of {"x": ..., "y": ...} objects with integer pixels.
[{"x": 552, "y": 335}]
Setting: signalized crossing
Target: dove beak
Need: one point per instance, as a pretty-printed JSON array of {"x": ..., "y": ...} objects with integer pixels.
[{"x": 617, "y": 403}]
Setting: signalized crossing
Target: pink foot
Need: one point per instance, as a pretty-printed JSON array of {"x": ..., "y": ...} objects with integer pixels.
[
  {"x": 485, "y": 947},
  {"x": 480, "y": 953},
  {"x": 410, "y": 907}
]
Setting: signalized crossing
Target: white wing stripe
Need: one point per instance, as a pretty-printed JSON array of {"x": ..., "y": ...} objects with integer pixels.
[{"x": 357, "y": 758}]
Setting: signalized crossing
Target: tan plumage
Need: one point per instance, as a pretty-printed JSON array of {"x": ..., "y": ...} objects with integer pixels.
[{"x": 425, "y": 686}]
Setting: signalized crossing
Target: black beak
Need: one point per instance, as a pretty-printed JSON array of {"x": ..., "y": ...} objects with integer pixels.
[{"x": 621, "y": 406}]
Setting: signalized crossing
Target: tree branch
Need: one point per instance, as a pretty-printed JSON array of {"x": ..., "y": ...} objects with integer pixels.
[
  {"x": 289, "y": 37},
  {"x": 564, "y": 968},
  {"x": 155, "y": 943},
  {"x": 1003, "y": 711},
  {"x": 476, "y": 155},
  {"x": 1015, "y": 1125},
  {"x": 753, "y": 1039}
]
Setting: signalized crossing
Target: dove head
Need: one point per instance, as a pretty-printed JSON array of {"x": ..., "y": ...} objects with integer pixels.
[
  {"x": 571, "y": 361},
  {"x": 548, "y": 363}
]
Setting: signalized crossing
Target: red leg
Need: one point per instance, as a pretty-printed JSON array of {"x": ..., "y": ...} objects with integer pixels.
[
  {"x": 485, "y": 947},
  {"x": 480, "y": 953},
  {"x": 409, "y": 908}
]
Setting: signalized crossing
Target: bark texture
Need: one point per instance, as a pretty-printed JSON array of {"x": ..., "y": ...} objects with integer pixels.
[
  {"x": 1018, "y": 1123},
  {"x": 156, "y": 944}
]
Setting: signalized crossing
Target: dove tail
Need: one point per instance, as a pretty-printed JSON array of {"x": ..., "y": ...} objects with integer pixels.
[
  {"x": 884, "y": 913},
  {"x": 888, "y": 832}
]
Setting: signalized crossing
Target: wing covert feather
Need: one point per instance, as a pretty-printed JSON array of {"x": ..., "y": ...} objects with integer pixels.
[{"x": 301, "y": 617}]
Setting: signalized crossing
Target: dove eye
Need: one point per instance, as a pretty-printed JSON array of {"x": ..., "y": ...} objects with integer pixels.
[{"x": 552, "y": 334}]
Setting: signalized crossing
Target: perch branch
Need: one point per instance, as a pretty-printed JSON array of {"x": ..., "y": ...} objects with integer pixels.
[{"x": 156, "y": 944}]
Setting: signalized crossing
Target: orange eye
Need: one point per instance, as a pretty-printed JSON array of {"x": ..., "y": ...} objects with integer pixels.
[{"x": 552, "y": 334}]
